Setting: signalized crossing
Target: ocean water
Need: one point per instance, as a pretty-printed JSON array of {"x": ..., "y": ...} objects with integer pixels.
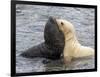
[{"x": 30, "y": 23}]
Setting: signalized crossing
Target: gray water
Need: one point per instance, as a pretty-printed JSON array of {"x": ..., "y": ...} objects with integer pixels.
[{"x": 30, "y": 23}]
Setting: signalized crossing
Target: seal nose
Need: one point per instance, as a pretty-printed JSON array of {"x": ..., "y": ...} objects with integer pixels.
[{"x": 52, "y": 19}]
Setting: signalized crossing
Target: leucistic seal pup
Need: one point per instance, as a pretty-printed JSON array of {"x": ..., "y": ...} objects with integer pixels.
[{"x": 72, "y": 48}]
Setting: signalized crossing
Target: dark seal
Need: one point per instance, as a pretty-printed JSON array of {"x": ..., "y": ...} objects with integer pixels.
[{"x": 53, "y": 45}]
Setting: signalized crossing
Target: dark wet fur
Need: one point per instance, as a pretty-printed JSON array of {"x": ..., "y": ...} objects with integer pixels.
[{"x": 53, "y": 45}]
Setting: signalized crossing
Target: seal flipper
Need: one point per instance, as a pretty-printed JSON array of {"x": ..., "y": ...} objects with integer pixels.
[
  {"x": 34, "y": 51},
  {"x": 84, "y": 52},
  {"x": 40, "y": 50},
  {"x": 53, "y": 45}
]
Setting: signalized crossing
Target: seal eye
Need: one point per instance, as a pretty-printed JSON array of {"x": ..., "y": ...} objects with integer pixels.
[{"x": 62, "y": 23}]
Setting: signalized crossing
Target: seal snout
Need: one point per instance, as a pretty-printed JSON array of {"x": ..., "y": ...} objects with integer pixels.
[{"x": 52, "y": 19}]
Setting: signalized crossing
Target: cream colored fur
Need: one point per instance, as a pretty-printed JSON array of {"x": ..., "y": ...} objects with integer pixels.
[{"x": 72, "y": 49}]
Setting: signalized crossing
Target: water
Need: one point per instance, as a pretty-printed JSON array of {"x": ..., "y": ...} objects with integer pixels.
[{"x": 30, "y": 23}]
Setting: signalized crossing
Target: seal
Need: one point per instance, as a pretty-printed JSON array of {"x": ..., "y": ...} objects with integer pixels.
[
  {"x": 72, "y": 48},
  {"x": 53, "y": 44}
]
